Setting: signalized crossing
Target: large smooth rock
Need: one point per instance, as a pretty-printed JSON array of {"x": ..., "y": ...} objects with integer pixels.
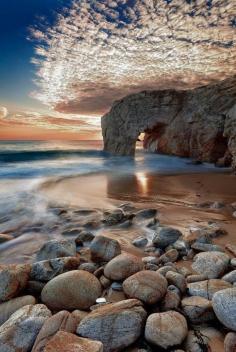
[
  {"x": 116, "y": 325},
  {"x": 224, "y": 305},
  {"x": 166, "y": 236},
  {"x": 123, "y": 266},
  {"x": 207, "y": 288},
  {"x": 212, "y": 264},
  {"x": 230, "y": 342},
  {"x": 166, "y": 329},
  {"x": 104, "y": 249},
  {"x": 147, "y": 286},
  {"x": 13, "y": 279},
  {"x": 19, "y": 332},
  {"x": 10, "y": 307},
  {"x": 46, "y": 270},
  {"x": 77, "y": 289},
  {"x": 62, "y": 321},
  {"x": 197, "y": 309},
  {"x": 56, "y": 249},
  {"x": 66, "y": 342}
]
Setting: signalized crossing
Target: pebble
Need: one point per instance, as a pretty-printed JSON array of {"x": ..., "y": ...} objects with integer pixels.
[
  {"x": 211, "y": 264},
  {"x": 177, "y": 280},
  {"x": 196, "y": 278},
  {"x": 123, "y": 266},
  {"x": 170, "y": 256},
  {"x": 150, "y": 260},
  {"x": 77, "y": 289},
  {"x": 230, "y": 277},
  {"x": 224, "y": 305},
  {"x": 85, "y": 236},
  {"x": 146, "y": 213},
  {"x": 63, "y": 320},
  {"x": 46, "y": 270},
  {"x": 230, "y": 342},
  {"x": 90, "y": 267},
  {"x": 147, "y": 286},
  {"x": 103, "y": 249},
  {"x": 171, "y": 301},
  {"x": 166, "y": 236},
  {"x": 10, "y": 307},
  {"x": 164, "y": 269},
  {"x": 55, "y": 249},
  {"x": 66, "y": 342},
  {"x": 117, "y": 286},
  {"x": 19, "y": 332},
  {"x": 140, "y": 242},
  {"x": 166, "y": 329},
  {"x": 13, "y": 279},
  {"x": 114, "y": 217},
  {"x": 116, "y": 325},
  {"x": 206, "y": 247},
  {"x": 105, "y": 282},
  {"x": 197, "y": 309},
  {"x": 207, "y": 288}
]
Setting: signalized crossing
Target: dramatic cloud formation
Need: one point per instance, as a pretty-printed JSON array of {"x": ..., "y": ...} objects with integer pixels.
[
  {"x": 3, "y": 112},
  {"x": 101, "y": 50}
]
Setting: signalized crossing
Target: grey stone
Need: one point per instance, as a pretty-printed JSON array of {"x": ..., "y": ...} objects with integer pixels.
[
  {"x": 146, "y": 213},
  {"x": 207, "y": 288},
  {"x": 46, "y": 270},
  {"x": 85, "y": 236},
  {"x": 177, "y": 280},
  {"x": 10, "y": 307},
  {"x": 140, "y": 242},
  {"x": 56, "y": 249},
  {"x": 104, "y": 249},
  {"x": 197, "y": 309},
  {"x": 114, "y": 217},
  {"x": 166, "y": 236},
  {"x": 166, "y": 329},
  {"x": 116, "y": 325},
  {"x": 230, "y": 277},
  {"x": 19, "y": 332},
  {"x": 211, "y": 264},
  {"x": 224, "y": 305}
]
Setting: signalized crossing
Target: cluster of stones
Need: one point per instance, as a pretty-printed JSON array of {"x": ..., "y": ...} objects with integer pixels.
[{"x": 117, "y": 301}]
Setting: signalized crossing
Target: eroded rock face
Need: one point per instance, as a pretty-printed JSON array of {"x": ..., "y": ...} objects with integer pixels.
[
  {"x": 198, "y": 123},
  {"x": 116, "y": 325}
]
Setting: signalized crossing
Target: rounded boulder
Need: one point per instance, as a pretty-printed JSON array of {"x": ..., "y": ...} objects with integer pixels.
[
  {"x": 123, "y": 266},
  {"x": 166, "y": 329},
  {"x": 77, "y": 289},
  {"x": 147, "y": 286}
]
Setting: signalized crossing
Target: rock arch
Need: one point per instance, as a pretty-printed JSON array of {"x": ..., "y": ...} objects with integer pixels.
[{"x": 185, "y": 123}]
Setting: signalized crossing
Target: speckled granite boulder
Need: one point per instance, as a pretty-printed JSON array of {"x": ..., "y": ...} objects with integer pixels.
[
  {"x": 224, "y": 305},
  {"x": 116, "y": 325},
  {"x": 211, "y": 264}
]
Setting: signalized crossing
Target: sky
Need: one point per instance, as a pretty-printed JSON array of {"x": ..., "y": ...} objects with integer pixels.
[{"x": 63, "y": 63}]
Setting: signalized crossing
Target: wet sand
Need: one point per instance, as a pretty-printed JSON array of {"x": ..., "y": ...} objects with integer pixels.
[{"x": 181, "y": 200}]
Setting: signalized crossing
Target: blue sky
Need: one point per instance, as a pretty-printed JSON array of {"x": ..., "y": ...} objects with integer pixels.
[{"x": 16, "y": 71}]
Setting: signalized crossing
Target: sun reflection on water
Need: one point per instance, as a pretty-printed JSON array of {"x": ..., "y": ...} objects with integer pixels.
[{"x": 142, "y": 180}]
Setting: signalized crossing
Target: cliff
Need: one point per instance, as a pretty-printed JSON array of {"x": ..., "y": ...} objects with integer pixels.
[{"x": 198, "y": 123}]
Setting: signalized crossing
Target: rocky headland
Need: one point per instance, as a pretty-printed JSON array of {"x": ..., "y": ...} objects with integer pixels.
[
  {"x": 199, "y": 123},
  {"x": 91, "y": 292}
]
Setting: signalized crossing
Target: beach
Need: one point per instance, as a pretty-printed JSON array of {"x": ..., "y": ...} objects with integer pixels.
[{"x": 68, "y": 214}]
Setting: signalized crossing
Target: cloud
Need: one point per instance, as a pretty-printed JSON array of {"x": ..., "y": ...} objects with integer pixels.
[
  {"x": 99, "y": 51},
  {"x": 55, "y": 121},
  {"x": 3, "y": 112}
]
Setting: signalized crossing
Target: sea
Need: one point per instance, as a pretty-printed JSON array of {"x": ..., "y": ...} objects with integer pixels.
[{"x": 32, "y": 172}]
